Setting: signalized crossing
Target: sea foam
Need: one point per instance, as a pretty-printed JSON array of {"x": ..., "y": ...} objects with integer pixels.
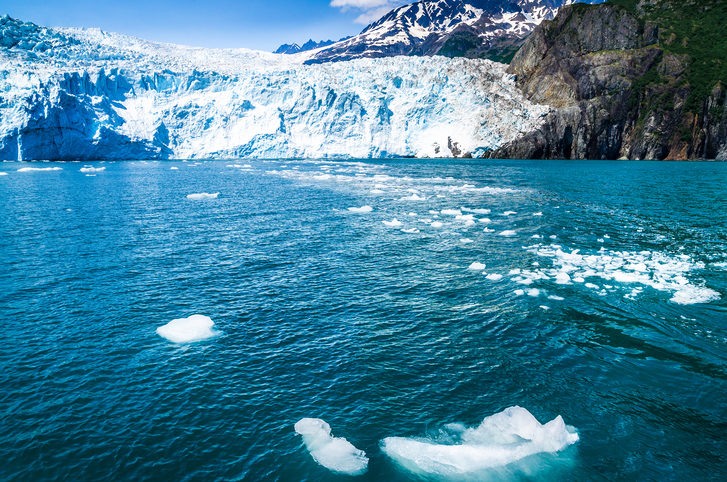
[
  {"x": 334, "y": 453},
  {"x": 202, "y": 195},
  {"x": 499, "y": 440},
  {"x": 187, "y": 330}
]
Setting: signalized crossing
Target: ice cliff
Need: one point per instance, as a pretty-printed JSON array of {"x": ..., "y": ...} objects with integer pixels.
[{"x": 86, "y": 94}]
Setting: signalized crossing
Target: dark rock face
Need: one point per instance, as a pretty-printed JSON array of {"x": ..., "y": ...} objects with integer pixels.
[{"x": 616, "y": 92}]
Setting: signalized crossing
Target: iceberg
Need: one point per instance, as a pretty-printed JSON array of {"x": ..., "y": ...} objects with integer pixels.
[
  {"x": 84, "y": 94},
  {"x": 334, "y": 453},
  {"x": 501, "y": 439},
  {"x": 187, "y": 330}
]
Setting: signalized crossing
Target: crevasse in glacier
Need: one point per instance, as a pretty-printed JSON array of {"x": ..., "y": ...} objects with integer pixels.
[{"x": 87, "y": 94}]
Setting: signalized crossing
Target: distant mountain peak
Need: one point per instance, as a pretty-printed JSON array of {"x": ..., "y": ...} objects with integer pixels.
[{"x": 309, "y": 45}]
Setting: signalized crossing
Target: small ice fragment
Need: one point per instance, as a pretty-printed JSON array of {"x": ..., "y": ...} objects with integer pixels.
[
  {"x": 436, "y": 224},
  {"x": 3, "y": 173},
  {"x": 394, "y": 223},
  {"x": 494, "y": 277},
  {"x": 555, "y": 298},
  {"x": 38, "y": 169},
  {"x": 485, "y": 220},
  {"x": 562, "y": 278},
  {"x": 536, "y": 236},
  {"x": 451, "y": 212},
  {"x": 534, "y": 292},
  {"x": 508, "y": 233},
  {"x": 515, "y": 271},
  {"x": 591, "y": 286},
  {"x": 519, "y": 292},
  {"x": 174, "y": 168},
  {"x": 202, "y": 195},
  {"x": 362, "y": 209},
  {"x": 410, "y": 230},
  {"x": 488, "y": 230},
  {"x": 466, "y": 241},
  {"x": 553, "y": 236},
  {"x": 186, "y": 330},
  {"x": 508, "y": 213},
  {"x": 413, "y": 197},
  {"x": 477, "y": 266},
  {"x": 334, "y": 453},
  {"x": 92, "y": 169},
  {"x": 544, "y": 308},
  {"x": 537, "y": 214},
  {"x": 600, "y": 240}
]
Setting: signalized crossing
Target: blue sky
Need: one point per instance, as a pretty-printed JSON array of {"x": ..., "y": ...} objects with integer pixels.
[{"x": 257, "y": 24}]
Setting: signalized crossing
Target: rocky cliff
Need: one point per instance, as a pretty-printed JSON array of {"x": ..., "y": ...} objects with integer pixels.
[{"x": 627, "y": 79}]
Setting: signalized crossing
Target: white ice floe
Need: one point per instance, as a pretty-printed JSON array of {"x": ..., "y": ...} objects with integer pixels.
[
  {"x": 334, "y": 453},
  {"x": 555, "y": 298},
  {"x": 488, "y": 230},
  {"x": 494, "y": 277},
  {"x": 394, "y": 223},
  {"x": 536, "y": 236},
  {"x": 174, "y": 168},
  {"x": 519, "y": 292},
  {"x": 477, "y": 211},
  {"x": 410, "y": 230},
  {"x": 187, "y": 330},
  {"x": 202, "y": 195},
  {"x": 537, "y": 214},
  {"x": 509, "y": 213},
  {"x": 436, "y": 224},
  {"x": 657, "y": 270},
  {"x": 92, "y": 169},
  {"x": 361, "y": 210},
  {"x": 39, "y": 169},
  {"x": 451, "y": 212},
  {"x": 466, "y": 241},
  {"x": 534, "y": 292},
  {"x": 508, "y": 233},
  {"x": 477, "y": 266},
  {"x": 499, "y": 440},
  {"x": 413, "y": 197}
]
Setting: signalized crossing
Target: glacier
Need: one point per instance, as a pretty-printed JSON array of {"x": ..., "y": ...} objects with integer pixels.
[{"x": 83, "y": 94}]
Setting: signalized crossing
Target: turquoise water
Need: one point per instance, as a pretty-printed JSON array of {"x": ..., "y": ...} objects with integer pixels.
[{"x": 380, "y": 330}]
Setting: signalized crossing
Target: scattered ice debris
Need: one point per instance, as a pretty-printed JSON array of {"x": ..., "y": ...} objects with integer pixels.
[
  {"x": 509, "y": 213},
  {"x": 202, "y": 195},
  {"x": 436, "y": 224},
  {"x": 653, "y": 269},
  {"x": 362, "y": 209},
  {"x": 508, "y": 233},
  {"x": 92, "y": 169},
  {"x": 494, "y": 277},
  {"x": 477, "y": 266},
  {"x": 187, "y": 330},
  {"x": 334, "y": 453},
  {"x": 394, "y": 223},
  {"x": 38, "y": 169},
  {"x": 499, "y": 440}
]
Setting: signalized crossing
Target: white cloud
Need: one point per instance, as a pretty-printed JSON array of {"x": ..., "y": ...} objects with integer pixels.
[{"x": 369, "y": 10}]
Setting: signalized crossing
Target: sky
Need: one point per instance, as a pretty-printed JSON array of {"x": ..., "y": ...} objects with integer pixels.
[{"x": 255, "y": 24}]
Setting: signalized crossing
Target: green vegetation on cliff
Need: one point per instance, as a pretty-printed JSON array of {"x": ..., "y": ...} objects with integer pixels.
[{"x": 696, "y": 28}]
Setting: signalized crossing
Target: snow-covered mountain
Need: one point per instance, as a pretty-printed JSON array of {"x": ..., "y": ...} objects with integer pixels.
[
  {"x": 470, "y": 28},
  {"x": 309, "y": 45},
  {"x": 88, "y": 94}
]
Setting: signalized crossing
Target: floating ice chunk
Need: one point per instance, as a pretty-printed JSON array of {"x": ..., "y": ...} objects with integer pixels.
[
  {"x": 553, "y": 236},
  {"x": 334, "y": 453},
  {"x": 477, "y": 266},
  {"x": 508, "y": 233},
  {"x": 544, "y": 307},
  {"x": 187, "y": 330},
  {"x": 436, "y": 224},
  {"x": 601, "y": 240},
  {"x": 174, "y": 168},
  {"x": 202, "y": 195},
  {"x": 537, "y": 214},
  {"x": 38, "y": 169},
  {"x": 477, "y": 211},
  {"x": 394, "y": 223},
  {"x": 92, "y": 169},
  {"x": 534, "y": 292},
  {"x": 694, "y": 294},
  {"x": 499, "y": 440},
  {"x": 514, "y": 271},
  {"x": 555, "y": 298},
  {"x": 494, "y": 277},
  {"x": 413, "y": 214},
  {"x": 562, "y": 278},
  {"x": 536, "y": 236},
  {"x": 509, "y": 213},
  {"x": 3, "y": 173},
  {"x": 466, "y": 241},
  {"x": 607, "y": 236},
  {"x": 488, "y": 230},
  {"x": 519, "y": 292},
  {"x": 413, "y": 197},
  {"x": 485, "y": 220},
  {"x": 322, "y": 177},
  {"x": 410, "y": 230},
  {"x": 362, "y": 209},
  {"x": 451, "y": 212}
]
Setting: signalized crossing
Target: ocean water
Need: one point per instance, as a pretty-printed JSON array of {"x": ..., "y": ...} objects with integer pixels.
[{"x": 596, "y": 291}]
